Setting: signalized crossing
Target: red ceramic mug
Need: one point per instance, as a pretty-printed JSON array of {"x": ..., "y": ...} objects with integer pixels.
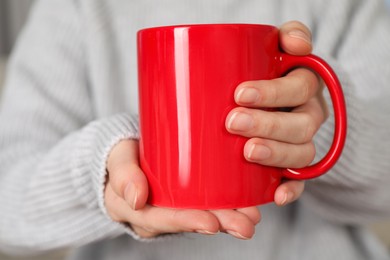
[{"x": 187, "y": 78}]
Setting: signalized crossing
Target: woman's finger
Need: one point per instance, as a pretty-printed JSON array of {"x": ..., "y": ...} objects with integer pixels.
[
  {"x": 151, "y": 221},
  {"x": 279, "y": 154},
  {"x": 288, "y": 127},
  {"x": 253, "y": 213},
  {"x": 295, "y": 38},
  {"x": 235, "y": 223},
  {"x": 292, "y": 90},
  {"x": 288, "y": 192}
]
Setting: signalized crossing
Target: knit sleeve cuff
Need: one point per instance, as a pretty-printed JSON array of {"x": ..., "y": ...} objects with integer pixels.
[{"x": 89, "y": 169}]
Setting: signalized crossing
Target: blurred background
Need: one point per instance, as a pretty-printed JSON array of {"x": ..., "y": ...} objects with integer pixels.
[{"x": 13, "y": 14}]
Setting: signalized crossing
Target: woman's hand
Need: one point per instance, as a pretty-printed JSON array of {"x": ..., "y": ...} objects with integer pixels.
[
  {"x": 281, "y": 139},
  {"x": 126, "y": 194}
]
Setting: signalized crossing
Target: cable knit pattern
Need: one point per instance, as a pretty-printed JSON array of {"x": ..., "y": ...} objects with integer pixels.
[{"x": 71, "y": 95}]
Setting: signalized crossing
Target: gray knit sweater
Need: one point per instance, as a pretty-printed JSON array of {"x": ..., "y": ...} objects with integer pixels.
[{"x": 71, "y": 94}]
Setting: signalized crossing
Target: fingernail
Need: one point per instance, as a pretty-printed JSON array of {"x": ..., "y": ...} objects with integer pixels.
[
  {"x": 131, "y": 195},
  {"x": 288, "y": 196},
  {"x": 258, "y": 152},
  {"x": 247, "y": 95},
  {"x": 206, "y": 232},
  {"x": 300, "y": 35},
  {"x": 237, "y": 235},
  {"x": 240, "y": 122}
]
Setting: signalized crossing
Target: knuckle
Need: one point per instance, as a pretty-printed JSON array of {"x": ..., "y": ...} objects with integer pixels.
[
  {"x": 282, "y": 158},
  {"x": 310, "y": 128},
  {"x": 273, "y": 95},
  {"x": 306, "y": 90},
  {"x": 306, "y": 155},
  {"x": 269, "y": 90},
  {"x": 305, "y": 83},
  {"x": 311, "y": 153},
  {"x": 271, "y": 126}
]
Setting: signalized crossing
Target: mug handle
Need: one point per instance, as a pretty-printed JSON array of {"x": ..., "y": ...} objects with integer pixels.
[{"x": 288, "y": 62}]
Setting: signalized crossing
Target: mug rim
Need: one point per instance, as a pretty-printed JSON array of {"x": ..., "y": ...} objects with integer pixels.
[{"x": 209, "y": 25}]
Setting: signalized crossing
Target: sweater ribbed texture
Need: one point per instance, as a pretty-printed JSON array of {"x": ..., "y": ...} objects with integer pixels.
[{"x": 71, "y": 95}]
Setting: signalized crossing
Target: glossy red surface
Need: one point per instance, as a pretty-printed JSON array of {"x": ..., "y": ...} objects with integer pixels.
[{"x": 187, "y": 77}]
